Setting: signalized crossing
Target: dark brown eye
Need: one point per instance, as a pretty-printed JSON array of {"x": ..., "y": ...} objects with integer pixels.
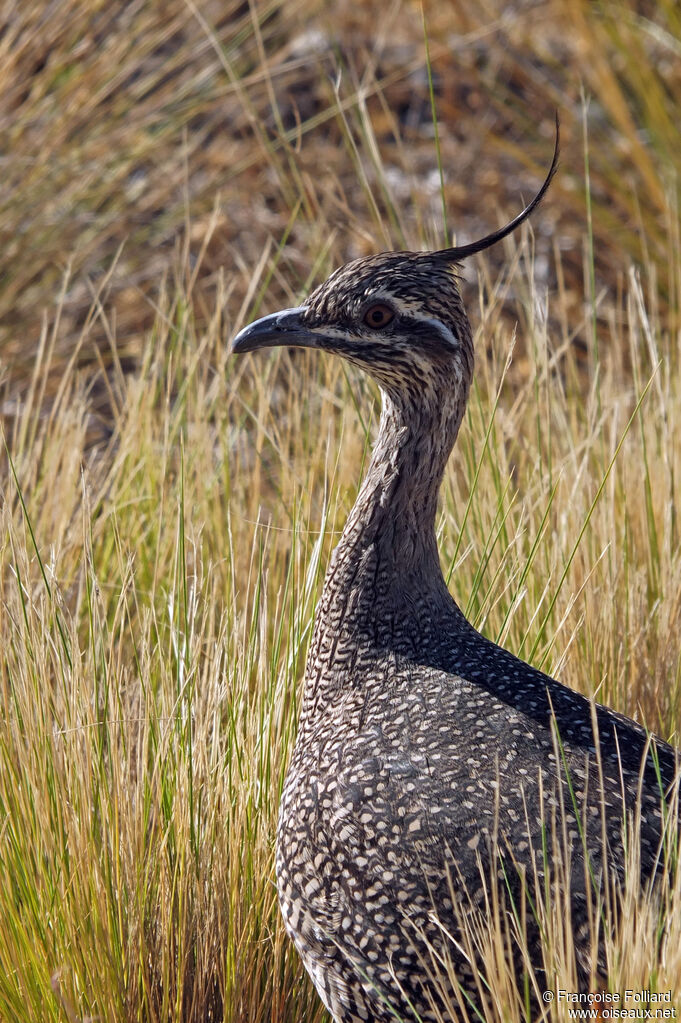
[{"x": 378, "y": 315}]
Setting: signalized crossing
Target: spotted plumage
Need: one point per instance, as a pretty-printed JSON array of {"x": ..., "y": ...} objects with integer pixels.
[{"x": 431, "y": 766}]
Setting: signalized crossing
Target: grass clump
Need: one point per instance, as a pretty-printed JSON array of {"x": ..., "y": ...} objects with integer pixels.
[{"x": 168, "y": 514}]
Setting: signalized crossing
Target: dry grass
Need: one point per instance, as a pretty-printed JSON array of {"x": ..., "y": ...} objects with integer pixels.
[{"x": 168, "y": 514}]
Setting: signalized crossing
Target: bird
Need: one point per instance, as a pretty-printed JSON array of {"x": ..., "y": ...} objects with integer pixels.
[{"x": 436, "y": 778}]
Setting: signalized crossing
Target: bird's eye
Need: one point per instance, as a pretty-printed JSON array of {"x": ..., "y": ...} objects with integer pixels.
[{"x": 378, "y": 315}]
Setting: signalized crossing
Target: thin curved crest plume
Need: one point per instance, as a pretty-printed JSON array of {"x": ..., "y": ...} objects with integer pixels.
[{"x": 459, "y": 252}]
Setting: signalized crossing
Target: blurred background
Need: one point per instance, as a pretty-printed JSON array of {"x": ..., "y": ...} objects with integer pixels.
[{"x": 135, "y": 134}]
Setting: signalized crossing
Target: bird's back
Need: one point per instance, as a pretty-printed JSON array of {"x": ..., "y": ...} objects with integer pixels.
[{"x": 430, "y": 778}]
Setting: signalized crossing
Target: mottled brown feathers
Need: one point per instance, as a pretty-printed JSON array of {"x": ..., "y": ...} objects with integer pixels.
[{"x": 431, "y": 766}]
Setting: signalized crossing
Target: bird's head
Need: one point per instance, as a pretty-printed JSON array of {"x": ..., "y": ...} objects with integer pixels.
[{"x": 398, "y": 315}]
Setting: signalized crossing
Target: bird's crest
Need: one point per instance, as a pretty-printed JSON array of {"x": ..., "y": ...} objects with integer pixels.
[{"x": 459, "y": 252}]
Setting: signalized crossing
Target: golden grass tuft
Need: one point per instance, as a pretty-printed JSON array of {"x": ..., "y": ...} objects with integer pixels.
[{"x": 168, "y": 513}]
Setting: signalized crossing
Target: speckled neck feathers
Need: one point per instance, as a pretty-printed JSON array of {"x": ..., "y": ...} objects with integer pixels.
[
  {"x": 384, "y": 589},
  {"x": 394, "y": 514}
]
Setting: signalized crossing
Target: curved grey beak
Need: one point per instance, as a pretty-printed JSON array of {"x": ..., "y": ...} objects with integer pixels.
[{"x": 282, "y": 328}]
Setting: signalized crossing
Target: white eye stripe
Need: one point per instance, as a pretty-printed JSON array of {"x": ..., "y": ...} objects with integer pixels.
[
  {"x": 441, "y": 328},
  {"x": 410, "y": 310}
]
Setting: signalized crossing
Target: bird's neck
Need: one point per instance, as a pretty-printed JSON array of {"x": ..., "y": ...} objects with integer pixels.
[
  {"x": 385, "y": 584},
  {"x": 394, "y": 514}
]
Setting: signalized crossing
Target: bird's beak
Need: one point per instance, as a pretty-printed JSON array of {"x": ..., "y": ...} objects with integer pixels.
[{"x": 283, "y": 328}]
